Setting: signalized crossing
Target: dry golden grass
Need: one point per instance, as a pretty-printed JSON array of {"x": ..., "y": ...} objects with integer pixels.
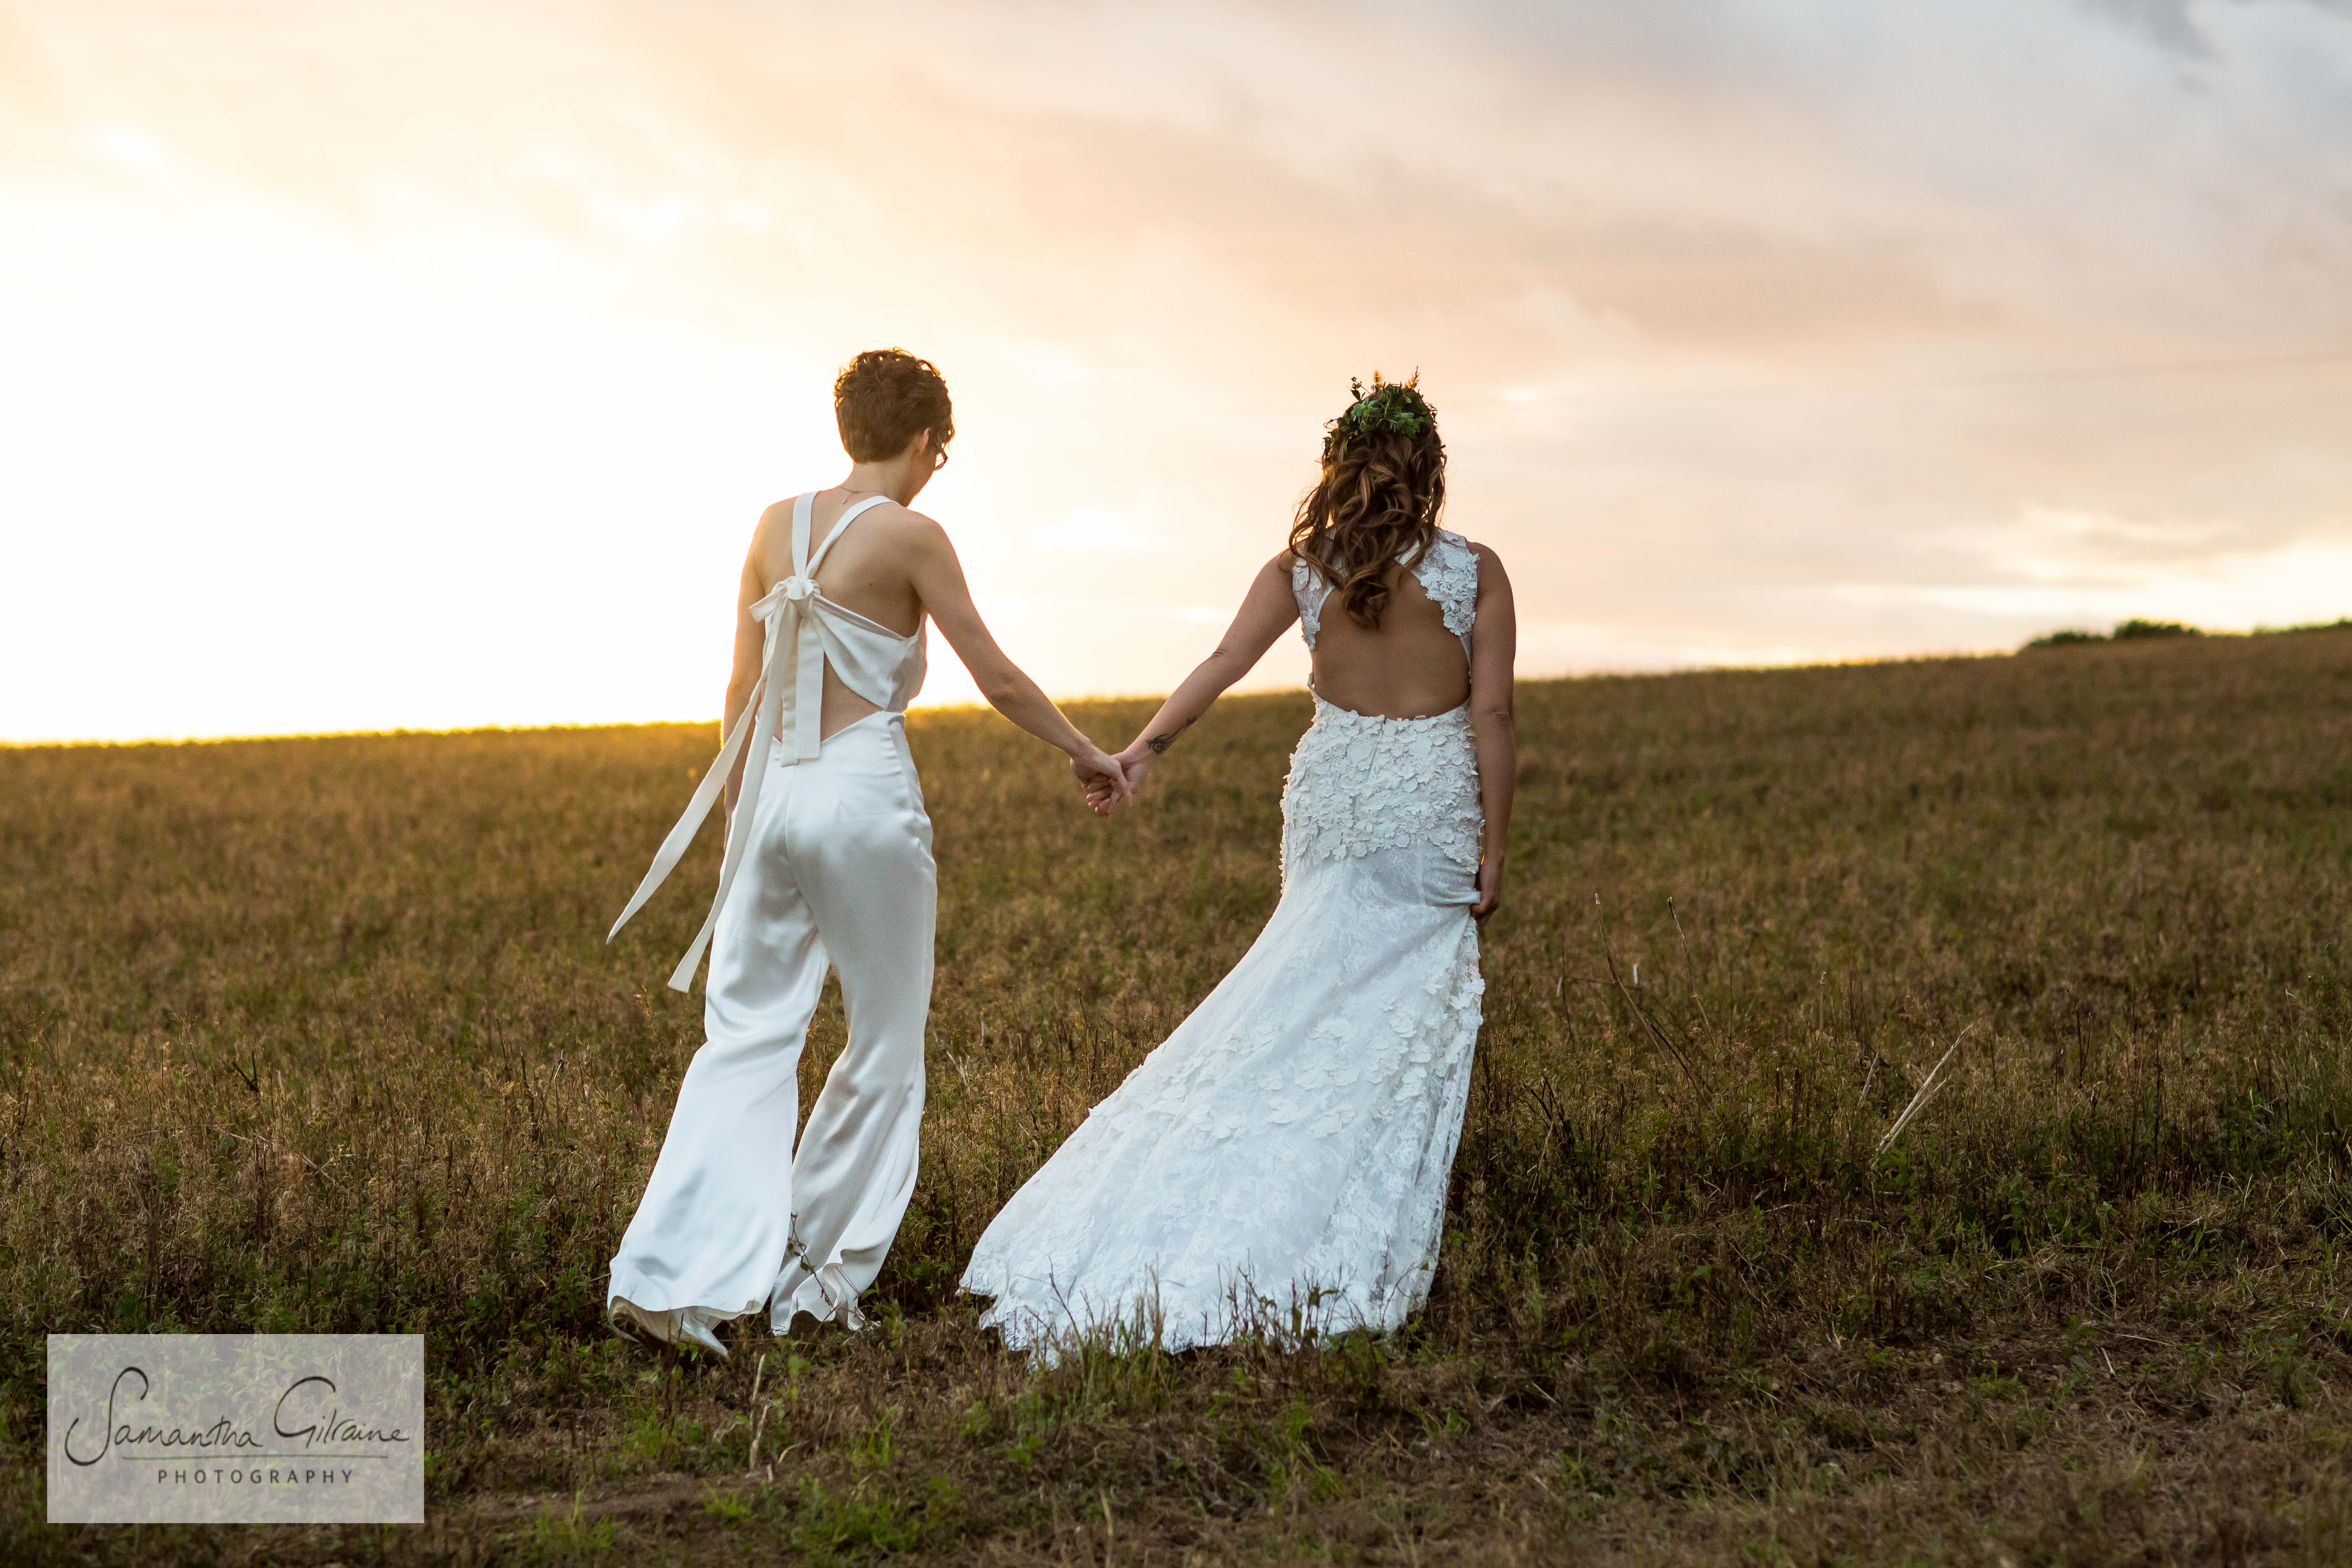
[{"x": 323, "y": 1034}]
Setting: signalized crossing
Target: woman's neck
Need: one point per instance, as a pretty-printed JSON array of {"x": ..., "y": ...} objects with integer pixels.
[{"x": 894, "y": 479}]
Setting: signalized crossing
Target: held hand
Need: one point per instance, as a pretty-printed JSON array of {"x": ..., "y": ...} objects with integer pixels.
[
  {"x": 1490, "y": 889},
  {"x": 1105, "y": 781},
  {"x": 1136, "y": 760}
]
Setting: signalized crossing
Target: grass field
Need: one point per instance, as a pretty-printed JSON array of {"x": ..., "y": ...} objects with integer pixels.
[{"x": 323, "y": 1034}]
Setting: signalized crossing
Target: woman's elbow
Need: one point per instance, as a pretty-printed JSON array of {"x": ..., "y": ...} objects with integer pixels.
[{"x": 1222, "y": 668}]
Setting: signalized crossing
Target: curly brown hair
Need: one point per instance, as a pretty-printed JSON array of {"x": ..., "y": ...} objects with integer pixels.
[
  {"x": 885, "y": 397},
  {"x": 1382, "y": 486}
]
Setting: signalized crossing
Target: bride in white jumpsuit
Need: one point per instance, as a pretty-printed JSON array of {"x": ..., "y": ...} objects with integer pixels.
[{"x": 827, "y": 865}]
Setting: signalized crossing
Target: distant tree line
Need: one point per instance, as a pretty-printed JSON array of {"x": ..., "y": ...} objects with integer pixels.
[{"x": 2138, "y": 630}]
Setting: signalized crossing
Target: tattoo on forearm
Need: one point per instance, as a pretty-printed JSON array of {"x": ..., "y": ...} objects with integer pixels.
[{"x": 1160, "y": 743}]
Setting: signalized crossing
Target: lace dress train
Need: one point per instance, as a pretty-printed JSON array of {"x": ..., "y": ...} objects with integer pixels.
[{"x": 1281, "y": 1160}]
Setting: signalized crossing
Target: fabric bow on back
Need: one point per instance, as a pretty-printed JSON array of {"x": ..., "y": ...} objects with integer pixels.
[{"x": 788, "y": 697}]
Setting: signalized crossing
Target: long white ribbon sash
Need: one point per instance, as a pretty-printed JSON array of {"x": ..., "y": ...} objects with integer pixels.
[{"x": 788, "y": 617}]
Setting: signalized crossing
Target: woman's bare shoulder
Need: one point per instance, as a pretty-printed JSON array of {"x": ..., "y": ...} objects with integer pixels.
[
  {"x": 906, "y": 527},
  {"x": 899, "y": 524},
  {"x": 1486, "y": 553}
]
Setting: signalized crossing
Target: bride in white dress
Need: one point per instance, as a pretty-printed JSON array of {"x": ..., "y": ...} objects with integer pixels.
[{"x": 1280, "y": 1161}]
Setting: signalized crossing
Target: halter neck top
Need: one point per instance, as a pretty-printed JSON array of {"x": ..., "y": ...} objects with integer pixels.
[{"x": 805, "y": 632}]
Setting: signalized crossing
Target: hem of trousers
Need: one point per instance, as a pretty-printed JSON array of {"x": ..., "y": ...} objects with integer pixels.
[
  {"x": 634, "y": 1285},
  {"x": 825, "y": 1294}
]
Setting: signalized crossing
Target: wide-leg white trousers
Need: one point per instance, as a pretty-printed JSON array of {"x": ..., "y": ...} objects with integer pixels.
[{"x": 838, "y": 874}]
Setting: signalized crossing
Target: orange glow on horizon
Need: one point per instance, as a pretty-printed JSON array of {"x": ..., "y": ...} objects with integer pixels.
[{"x": 427, "y": 369}]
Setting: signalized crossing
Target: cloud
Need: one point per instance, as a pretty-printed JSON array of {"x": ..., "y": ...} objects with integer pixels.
[
  {"x": 2298, "y": 584},
  {"x": 1733, "y": 312}
]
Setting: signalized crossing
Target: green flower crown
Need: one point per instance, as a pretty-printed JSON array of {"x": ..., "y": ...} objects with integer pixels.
[{"x": 1390, "y": 408}]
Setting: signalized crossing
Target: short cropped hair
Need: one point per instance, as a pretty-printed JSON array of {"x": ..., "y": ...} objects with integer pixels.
[{"x": 885, "y": 397}]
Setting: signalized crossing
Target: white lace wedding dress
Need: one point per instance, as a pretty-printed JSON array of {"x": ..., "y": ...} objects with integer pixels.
[{"x": 1280, "y": 1161}]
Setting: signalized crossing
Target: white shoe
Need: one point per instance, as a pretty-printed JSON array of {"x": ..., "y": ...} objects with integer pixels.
[
  {"x": 631, "y": 1321},
  {"x": 840, "y": 1299},
  {"x": 695, "y": 1323},
  {"x": 691, "y": 1324}
]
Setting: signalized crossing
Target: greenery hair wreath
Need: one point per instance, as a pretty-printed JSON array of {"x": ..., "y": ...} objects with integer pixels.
[{"x": 1390, "y": 408}]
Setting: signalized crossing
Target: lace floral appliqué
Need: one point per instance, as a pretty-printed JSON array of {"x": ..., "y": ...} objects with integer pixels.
[
  {"x": 1281, "y": 1161},
  {"x": 1447, "y": 572},
  {"x": 1359, "y": 783}
]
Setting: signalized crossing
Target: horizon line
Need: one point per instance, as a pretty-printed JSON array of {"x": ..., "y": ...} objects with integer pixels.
[{"x": 1762, "y": 668}]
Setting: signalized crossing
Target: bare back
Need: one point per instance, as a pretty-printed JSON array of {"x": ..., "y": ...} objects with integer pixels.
[
  {"x": 868, "y": 571},
  {"x": 1410, "y": 667},
  {"x": 1418, "y": 662}
]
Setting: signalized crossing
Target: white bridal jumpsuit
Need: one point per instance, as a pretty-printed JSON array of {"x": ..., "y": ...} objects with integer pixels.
[{"x": 828, "y": 863}]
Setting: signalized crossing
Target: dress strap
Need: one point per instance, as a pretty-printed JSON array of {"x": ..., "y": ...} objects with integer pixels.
[
  {"x": 801, "y": 562},
  {"x": 1308, "y": 589},
  {"x": 802, "y": 505},
  {"x": 1447, "y": 570}
]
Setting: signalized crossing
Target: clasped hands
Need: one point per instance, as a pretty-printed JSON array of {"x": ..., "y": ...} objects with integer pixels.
[{"x": 1105, "y": 789}]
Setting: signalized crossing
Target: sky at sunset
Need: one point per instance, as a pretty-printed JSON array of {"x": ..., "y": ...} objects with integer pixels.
[{"x": 427, "y": 365}]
